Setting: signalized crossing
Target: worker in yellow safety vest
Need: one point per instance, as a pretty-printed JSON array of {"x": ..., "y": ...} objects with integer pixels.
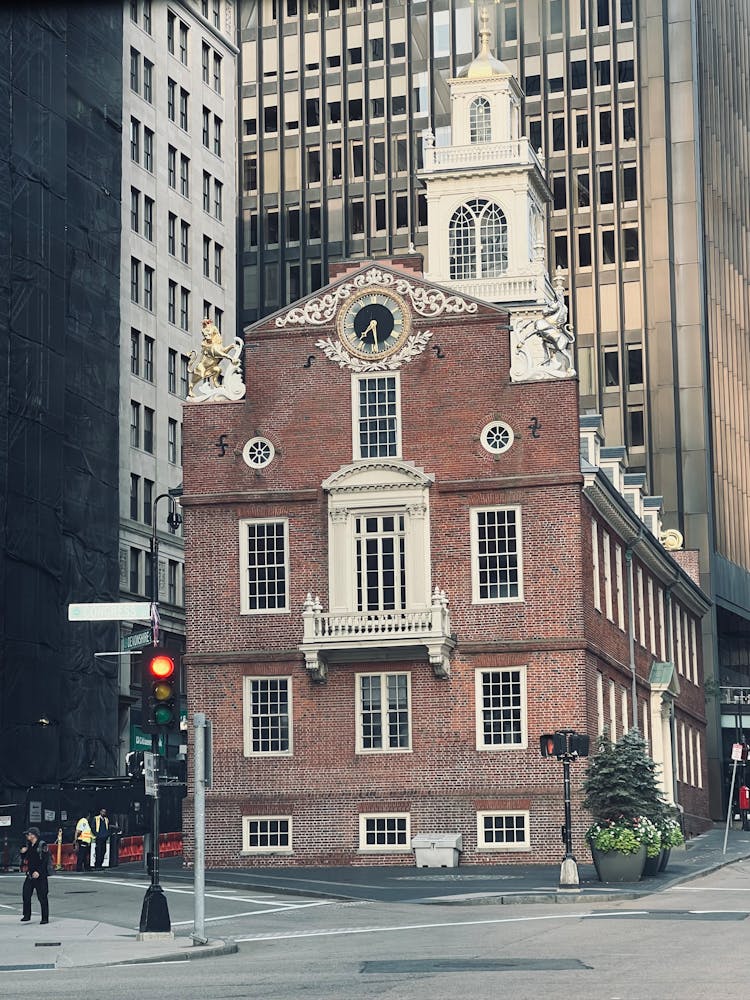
[{"x": 83, "y": 845}]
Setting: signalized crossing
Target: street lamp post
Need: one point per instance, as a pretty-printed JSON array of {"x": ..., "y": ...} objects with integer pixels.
[{"x": 155, "y": 911}]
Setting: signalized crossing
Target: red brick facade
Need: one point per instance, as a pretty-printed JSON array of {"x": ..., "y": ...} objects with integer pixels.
[{"x": 301, "y": 401}]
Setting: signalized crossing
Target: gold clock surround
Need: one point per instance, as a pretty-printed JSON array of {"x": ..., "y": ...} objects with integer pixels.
[{"x": 373, "y": 296}]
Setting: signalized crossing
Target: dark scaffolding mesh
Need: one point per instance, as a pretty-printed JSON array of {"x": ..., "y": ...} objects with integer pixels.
[{"x": 60, "y": 156}]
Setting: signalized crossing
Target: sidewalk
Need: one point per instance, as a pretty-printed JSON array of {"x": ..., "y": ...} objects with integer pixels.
[{"x": 70, "y": 943}]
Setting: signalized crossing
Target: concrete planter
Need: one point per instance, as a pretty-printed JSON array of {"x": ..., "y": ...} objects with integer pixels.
[{"x": 614, "y": 866}]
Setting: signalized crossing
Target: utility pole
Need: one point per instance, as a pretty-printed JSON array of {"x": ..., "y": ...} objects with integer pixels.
[{"x": 199, "y": 821}]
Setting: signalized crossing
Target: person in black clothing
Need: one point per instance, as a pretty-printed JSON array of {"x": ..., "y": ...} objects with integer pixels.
[
  {"x": 100, "y": 829},
  {"x": 34, "y": 857}
]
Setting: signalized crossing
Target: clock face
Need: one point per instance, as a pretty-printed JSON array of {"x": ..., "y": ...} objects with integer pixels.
[{"x": 373, "y": 324}]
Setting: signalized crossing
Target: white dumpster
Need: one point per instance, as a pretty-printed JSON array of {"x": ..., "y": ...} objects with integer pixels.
[{"x": 437, "y": 850}]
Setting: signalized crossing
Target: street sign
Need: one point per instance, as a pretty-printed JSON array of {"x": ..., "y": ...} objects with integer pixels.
[
  {"x": 142, "y": 741},
  {"x": 129, "y": 610},
  {"x": 737, "y": 751},
  {"x": 149, "y": 773},
  {"x": 136, "y": 641}
]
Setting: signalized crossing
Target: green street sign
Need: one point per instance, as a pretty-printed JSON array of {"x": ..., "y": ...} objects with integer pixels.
[
  {"x": 136, "y": 641},
  {"x": 142, "y": 741}
]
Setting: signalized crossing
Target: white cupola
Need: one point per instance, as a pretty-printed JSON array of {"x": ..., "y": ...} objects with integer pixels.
[{"x": 486, "y": 192}]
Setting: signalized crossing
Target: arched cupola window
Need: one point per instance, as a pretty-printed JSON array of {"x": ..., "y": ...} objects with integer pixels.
[
  {"x": 480, "y": 127},
  {"x": 478, "y": 241}
]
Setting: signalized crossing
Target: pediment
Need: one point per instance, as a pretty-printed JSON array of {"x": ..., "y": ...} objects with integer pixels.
[{"x": 377, "y": 474}]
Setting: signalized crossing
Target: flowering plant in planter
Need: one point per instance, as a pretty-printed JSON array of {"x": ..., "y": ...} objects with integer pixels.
[
  {"x": 625, "y": 835},
  {"x": 671, "y": 834}
]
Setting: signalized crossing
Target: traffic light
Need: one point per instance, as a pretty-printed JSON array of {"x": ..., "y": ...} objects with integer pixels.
[
  {"x": 564, "y": 743},
  {"x": 134, "y": 763},
  {"x": 160, "y": 691}
]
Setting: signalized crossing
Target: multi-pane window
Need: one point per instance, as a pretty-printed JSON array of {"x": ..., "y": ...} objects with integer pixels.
[
  {"x": 383, "y": 712},
  {"x": 148, "y": 218},
  {"x": 172, "y": 440},
  {"x": 507, "y": 831},
  {"x": 135, "y": 351},
  {"x": 217, "y": 72},
  {"x": 148, "y": 358},
  {"x": 205, "y": 128},
  {"x": 264, "y": 551},
  {"x": 496, "y": 554},
  {"x": 267, "y": 833},
  {"x": 381, "y": 832},
  {"x": 216, "y": 13},
  {"x": 217, "y": 136},
  {"x": 217, "y": 263},
  {"x": 501, "y": 707},
  {"x": 380, "y": 562},
  {"x": 172, "y": 233},
  {"x": 480, "y": 126},
  {"x": 172, "y": 370},
  {"x": 183, "y": 43},
  {"x": 206, "y": 191},
  {"x": 377, "y": 426},
  {"x": 135, "y": 70},
  {"x": 171, "y": 20},
  {"x": 218, "y": 199},
  {"x": 206, "y": 256},
  {"x": 172, "y": 569},
  {"x": 184, "y": 242},
  {"x": 478, "y": 241},
  {"x": 148, "y": 149},
  {"x": 135, "y": 209},
  {"x": 268, "y": 715},
  {"x": 205, "y": 61},
  {"x": 147, "y": 16},
  {"x": 135, "y": 571}
]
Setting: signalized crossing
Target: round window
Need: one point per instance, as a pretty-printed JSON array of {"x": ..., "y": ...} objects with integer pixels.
[
  {"x": 258, "y": 452},
  {"x": 497, "y": 437}
]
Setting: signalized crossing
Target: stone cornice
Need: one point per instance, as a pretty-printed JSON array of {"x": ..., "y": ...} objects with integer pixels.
[
  {"x": 248, "y": 497},
  {"x": 508, "y": 482}
]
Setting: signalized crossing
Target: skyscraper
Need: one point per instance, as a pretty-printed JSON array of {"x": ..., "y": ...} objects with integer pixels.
[{"x": 641, "y": 117}]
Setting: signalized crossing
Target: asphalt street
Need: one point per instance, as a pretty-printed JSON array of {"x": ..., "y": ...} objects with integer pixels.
[{"x": 682, "y": 942}]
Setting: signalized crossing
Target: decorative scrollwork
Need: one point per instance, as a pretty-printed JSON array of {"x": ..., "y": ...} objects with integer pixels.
[
  {"x": 428, "y": 302},
  {"x": 335, "y": 351}
]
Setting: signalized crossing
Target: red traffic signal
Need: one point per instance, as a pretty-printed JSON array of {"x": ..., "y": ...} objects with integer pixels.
[
  {"x": 160, "y": 675},
  {"x": 565, "y": 743}
]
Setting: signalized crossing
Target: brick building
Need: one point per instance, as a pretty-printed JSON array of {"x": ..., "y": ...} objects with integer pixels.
[{"x": 403, "y": 568}]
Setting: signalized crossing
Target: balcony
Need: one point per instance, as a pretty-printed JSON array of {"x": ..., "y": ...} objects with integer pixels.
[
  {"x": 530, "y": 286},
  {"x": 376, "y": 635},
  {"x": 512, "y": 153}
]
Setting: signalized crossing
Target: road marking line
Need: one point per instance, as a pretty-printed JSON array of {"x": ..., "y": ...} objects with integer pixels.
[
  {"x": 706, "y": 888},
  {"x": 186, "y": 892},
  {"x": 451, "y": 923},
  {"x": 255, "y": 913}
]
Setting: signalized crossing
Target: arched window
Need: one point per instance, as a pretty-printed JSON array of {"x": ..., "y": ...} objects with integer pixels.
[
  {"x": 478, "y": 241},
  {"x": 480, "y": 129}
]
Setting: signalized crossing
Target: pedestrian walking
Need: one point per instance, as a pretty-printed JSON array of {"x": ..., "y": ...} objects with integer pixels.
[
  {"x": 100, "y": 830},
  {"x": 84, "y": 837},
  {"x": 36, "y": 860}
]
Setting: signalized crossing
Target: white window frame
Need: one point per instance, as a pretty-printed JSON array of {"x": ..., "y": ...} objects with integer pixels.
[
  {"x": 624, "y": 709},
  {"x": 607, "y": 576},
  {"x": 474, "y": 539},
  {"x": 595, "y": 565},
  {"x": 247, "y": 683},
  {"x": 677, "y": 633},
  {"x": 641, "y": 608},
  {"x": 691, "y": 755},
  {"x": 620, "y": 590},
  {"x": 385, "y": 709},
  {"x": 662, "y": 629},
  {"x": 247, "y": 848},
  {"x": 698, "y": 759},
  {"x": 479, "y": 674},
  {"x": 599, "y": 704},
  {"x": 245, "y": 565},
  {"x": 524, "y": 845},
  {"x": 651, "y": 617},
  {"x": 694, "y": 649},
  {"x": 612, "y": 712},
  {"x": 357, "y": 378},
  {"x": 366, "y": 848}
]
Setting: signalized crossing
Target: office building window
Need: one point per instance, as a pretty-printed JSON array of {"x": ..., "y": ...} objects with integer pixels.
[
  {"x": 535, "y": 134},
  {"x": 630, "y": 245},
  {"x": 184, "y": 376},
  {"x": 172, "y": 301},
  {"x": 184, "y": 242},
  {"x": 135, "y": 351},
  {"x": 206, "y": 256},
  {"x": 602, "y": 73},
  {"x": 608, "y": 246},
  {"x": 635, "y": 367},
  {"x": 183, "y": 43},
  {"x": 207, "y": 189},
  {"x": 135, "y": 424},
  {"x": 148, "y": 81},
  {"x": 584, "y": 249},
  {"x": 148, "y": 149},
  {"x": 217, "y": 72},
  {"x": 218, "y": 199},
  {"x": 148, "y": 430},
  {"x": 135, "y": 571},
  {"x": 611, "y": 362},
  {"x": 148, "y": 358},
  {"x": 582, "y": 131},
  {"x": 147, "y": 16},
  {"x": 172, "y": 369},
  {"x": 606, "y": 191},
  {"x": 184, "y": 109},
  {"x": 625, "y": 71},
  {"x": 135, "y": 209},
  {"x": 205, "y": 61},
  {"x": 532, "y": 85},
  {"x": 135, "y": 280},
  {"x": 636, "y": 436},
  {"x": 205, "y": 130},
  {"x": 148, "y": 288},
  {"x": 184, "y": 308},
  {"x": 148, "y": 218},
  {"x": 172, "y": 166},
  {"x": 148, "y": 500},
  {"x": 172, "y": 568},
  {"x": 559, "y": 193},
  {"x": 561, "y": 251},
  {"x": 628, "y": 124},
  {"x": 135, "y": 140},
  {"x": 629, "y": 184},
  {"x": 217, "y": 263},
  {"x": 171, "y": 233},
  {"x": 135, "y": 491},
  {"x": 171, "y": 91},
  {"x": 582, "y": 184},
  {"x": 184, "y": 176},
  {"x": 602, "y": 12},
  {"x": 135, "y": 70},
  {"x": 172, "y": 441},
  {"x": 217, "y": 136},
  {"x": 578, "y": 75},
  {"x": 171, "y": 20}
]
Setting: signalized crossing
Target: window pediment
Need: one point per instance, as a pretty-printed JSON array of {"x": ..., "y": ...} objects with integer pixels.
[{"x": 375, "y": 475}]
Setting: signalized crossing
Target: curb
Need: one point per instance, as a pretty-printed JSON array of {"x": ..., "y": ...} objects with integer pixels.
[{"x": 212, "y": 949}]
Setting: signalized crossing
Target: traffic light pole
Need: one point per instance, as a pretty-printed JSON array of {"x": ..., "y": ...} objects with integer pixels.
[
  {"x": 155, "y": 911},
  {"x": 569, "y": 878}
]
